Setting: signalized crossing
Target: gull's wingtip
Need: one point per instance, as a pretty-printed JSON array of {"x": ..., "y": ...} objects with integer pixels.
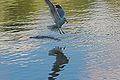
[{"x": 47, "y": 1}]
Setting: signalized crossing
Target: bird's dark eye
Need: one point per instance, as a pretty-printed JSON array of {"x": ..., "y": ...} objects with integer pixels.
[{"x": 57, "y": 6}]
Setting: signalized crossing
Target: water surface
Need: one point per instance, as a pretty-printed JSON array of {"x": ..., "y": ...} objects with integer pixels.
[{"x": 90, "y": 45}]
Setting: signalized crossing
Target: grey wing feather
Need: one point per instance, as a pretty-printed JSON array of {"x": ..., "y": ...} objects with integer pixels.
[
  {"x": 53, "y": 11},
  {"x": 61, "y": 12}
]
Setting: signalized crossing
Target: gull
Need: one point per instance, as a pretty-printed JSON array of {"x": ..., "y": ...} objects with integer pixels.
[{"x": 57, "y": 14}]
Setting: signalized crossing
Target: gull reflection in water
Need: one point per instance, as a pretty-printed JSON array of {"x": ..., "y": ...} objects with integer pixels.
[{"x": 59, "y": 63}]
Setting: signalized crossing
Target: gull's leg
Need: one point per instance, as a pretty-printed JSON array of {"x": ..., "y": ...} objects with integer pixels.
[
  {"x": 59, "y": 30},
  {"x": 62, "y": 31}
]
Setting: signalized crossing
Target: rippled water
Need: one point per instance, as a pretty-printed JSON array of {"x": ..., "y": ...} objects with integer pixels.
[{"x": 89, "y": 49}]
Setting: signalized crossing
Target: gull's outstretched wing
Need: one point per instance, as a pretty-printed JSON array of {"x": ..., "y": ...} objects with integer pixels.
[
  {"x": 53, "y": 11},
  {"x": 60, "y": 10}
]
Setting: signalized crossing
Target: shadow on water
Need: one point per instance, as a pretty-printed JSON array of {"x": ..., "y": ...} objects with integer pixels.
[
  {"x": 59, "y": 63},
  {"x": 45, "y": 37}
]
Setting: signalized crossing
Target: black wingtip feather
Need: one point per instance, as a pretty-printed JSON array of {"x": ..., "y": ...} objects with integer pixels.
[{"x": 58, "y": 6}]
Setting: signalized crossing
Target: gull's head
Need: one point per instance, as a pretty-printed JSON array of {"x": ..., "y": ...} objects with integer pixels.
[{"x": 58, "y": 6}]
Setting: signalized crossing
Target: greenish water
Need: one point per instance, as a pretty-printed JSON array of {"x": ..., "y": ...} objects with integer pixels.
[{"x": 90, "y": 45}]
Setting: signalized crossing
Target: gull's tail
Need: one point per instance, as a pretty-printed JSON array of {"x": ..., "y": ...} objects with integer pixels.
[{"x": 53, "y": 27}]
